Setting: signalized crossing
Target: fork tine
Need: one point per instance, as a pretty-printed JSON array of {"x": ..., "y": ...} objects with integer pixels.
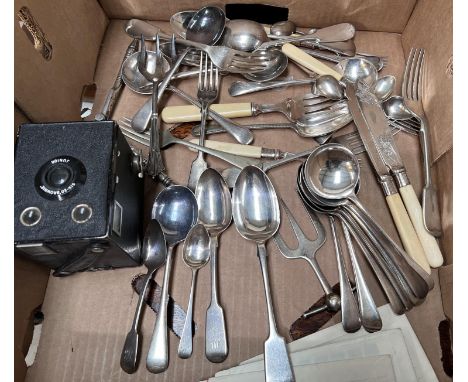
[
  {"x": 211, "y": 77},
  {"x": 295, "y": 226},
  {"x": 415, "y": 69},
  {"x": 419, "y": 78},
  {"x": 205, "y": 77},
  {"x": 404, "y": 85},
  {"x": 200, "y": 70}
]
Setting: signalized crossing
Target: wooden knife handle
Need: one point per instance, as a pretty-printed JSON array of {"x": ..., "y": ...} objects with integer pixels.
[
  {"x": 428, "y": 242},
  {"x": 406, "y": 231},
  {"x": 309, "y": 62},
  {"x": 189, "y": 113}
]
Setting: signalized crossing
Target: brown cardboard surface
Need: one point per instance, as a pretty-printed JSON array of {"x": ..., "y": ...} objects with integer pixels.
[
  {"x": 446, "y": 288},
  {"x": 429, "y": 16},
  {"x": 30, "y": 286},
  {"x": 372, "y": 15},
  {"x": 444, "y": 173},
  {"x": 89, "y": 314},
  {"x": 51, "y": 90}
]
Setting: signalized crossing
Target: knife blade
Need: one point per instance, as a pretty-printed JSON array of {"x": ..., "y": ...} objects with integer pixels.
[
  {"x": 388, "y": 151},
  {"x": 373, "y": 142}
]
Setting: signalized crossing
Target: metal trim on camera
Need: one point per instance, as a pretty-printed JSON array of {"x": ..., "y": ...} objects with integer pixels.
[
  {"x": 30, "y": 216},
  {"x": 81, "y": 213}
]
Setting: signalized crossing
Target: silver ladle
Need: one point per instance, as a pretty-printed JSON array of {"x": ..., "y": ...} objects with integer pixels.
[
  {"x": 215, "y": 213},
  {"x": 256, "y": 215},
  {"x": 154, "y": 256},
  {"x": 195, "y": 255},
  {"x": 176, "y": 209}
]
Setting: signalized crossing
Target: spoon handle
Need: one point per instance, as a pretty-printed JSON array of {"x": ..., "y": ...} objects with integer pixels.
[
  {"x": 129, "y": 356},
  {"x": 216, "y": 344},
  {"x": 185, "y": 344},
  {"x": 370, "y": 317},
  {"x": 157, "y": 360},
  {"x": 349, "y": 309},
  {"x": 277, "y": 364},
  {"x": 238, "y": 88}
]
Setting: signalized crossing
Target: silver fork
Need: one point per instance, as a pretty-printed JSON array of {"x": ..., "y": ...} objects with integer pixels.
[
  {"x": 411, "y": 90},
  {"x": 207, "y": 94},
  {"x": 307, "y": 250}
]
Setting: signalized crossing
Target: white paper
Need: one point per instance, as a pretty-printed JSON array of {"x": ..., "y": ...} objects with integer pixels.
[
  {"x": 369, "y": 369},
  {"x": 334, "y": 334}
]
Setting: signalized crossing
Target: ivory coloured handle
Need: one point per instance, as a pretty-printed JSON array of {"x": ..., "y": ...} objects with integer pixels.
[
  {"x": 232, "y": 148},
  {"x": 406, "y": 231},
  {"x": 428, "y": 242},
  {"x": 309, "y": 62},
  {"x": 190, "y": 113}
]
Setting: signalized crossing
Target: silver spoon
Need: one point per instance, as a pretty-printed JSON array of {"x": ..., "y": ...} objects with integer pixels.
[
  {"x": 195, "y": 255},
  {"x": 215, "y": 213},
  {"x": 256, "y": 214},
  {"x": 176, "y": 209},
  {"x": 278, "y": 64},
  {"x": 154, "y": 255},
  {"x": 332, "y": 174},
  {"x": 395, "y": 108},
  {"x": 206, "y": 26},
  {"x": 244, "y": 35},
  {"x": 179, "y": 22},
  {"x": 283, "y": 28},
  {"x": 384, "y": 86}
]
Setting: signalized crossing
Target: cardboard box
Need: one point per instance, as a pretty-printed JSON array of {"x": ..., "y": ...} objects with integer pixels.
[{"x": 88, "y": 315}]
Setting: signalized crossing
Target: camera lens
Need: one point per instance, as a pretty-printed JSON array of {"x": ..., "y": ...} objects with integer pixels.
[
  {"x": 30, "y": 216},
  {"x": 58, "y": 176}
]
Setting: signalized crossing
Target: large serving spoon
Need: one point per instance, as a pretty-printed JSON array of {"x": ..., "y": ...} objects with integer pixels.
[
  {"x": 206, "y": 26},
  {"x": 195, "y": 255},
  {"x": 176, "y": 209},
  {"x": 256, "y": 214},
  {"x": 154, "y": 255},
  {"x": 215, "y": 213}
]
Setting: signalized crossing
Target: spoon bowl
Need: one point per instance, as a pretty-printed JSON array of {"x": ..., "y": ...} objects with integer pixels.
[
  {"x": 179, "y": 22},
  {"x": 154, "y": 246},
  {"x": 384, "y": 87},
  {"x": 214, "y": 202},
  {"x": 329, "y": 87},
  {"x": 176, "y": 210},
  {"x": 332, "y": 172},
  {"x": 244, "y": 35},
  {"x": 395, "y": 108},
  {"x": 206, "y": 26},
  {"x": 132, "y": 77},
  {"x": 358, "y": 69},
  {"x": 255, "y": 206},
  {"x": 278, "y": 62},
  {"x": 283, "y": 28},
  {"x": 196, "y": 251}
]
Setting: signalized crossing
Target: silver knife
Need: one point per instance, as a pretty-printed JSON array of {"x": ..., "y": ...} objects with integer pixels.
[
  {"x": 379, "y": 144},
  {"x": 385, "y": 145}
]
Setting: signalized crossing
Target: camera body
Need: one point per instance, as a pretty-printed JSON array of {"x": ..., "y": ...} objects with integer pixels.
[{"x": 78, "y": 204}]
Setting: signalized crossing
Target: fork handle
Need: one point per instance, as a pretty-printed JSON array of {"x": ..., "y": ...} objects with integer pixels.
[{"x": 190, "y": 113}]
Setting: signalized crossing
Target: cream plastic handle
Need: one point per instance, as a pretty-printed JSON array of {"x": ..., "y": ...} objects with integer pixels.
[
  {"x": 428, "y": 242},
  {"x": 189, "y": 113},
  {"x": 309, "y": 62},
  {"x": 232, "y": 148},
  {"x": 406, "y": 231}
]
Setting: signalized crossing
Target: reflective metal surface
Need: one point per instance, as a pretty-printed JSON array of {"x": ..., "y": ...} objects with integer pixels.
[
  {"x": 179, "y": 22},
  {"x": 195, "y": 255},
  {"x": 245, "y": 35},
  {"x": 206, "y": 26},
  {"x": 278, "y": 62},
  {"x": 358, "y": 69}
]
